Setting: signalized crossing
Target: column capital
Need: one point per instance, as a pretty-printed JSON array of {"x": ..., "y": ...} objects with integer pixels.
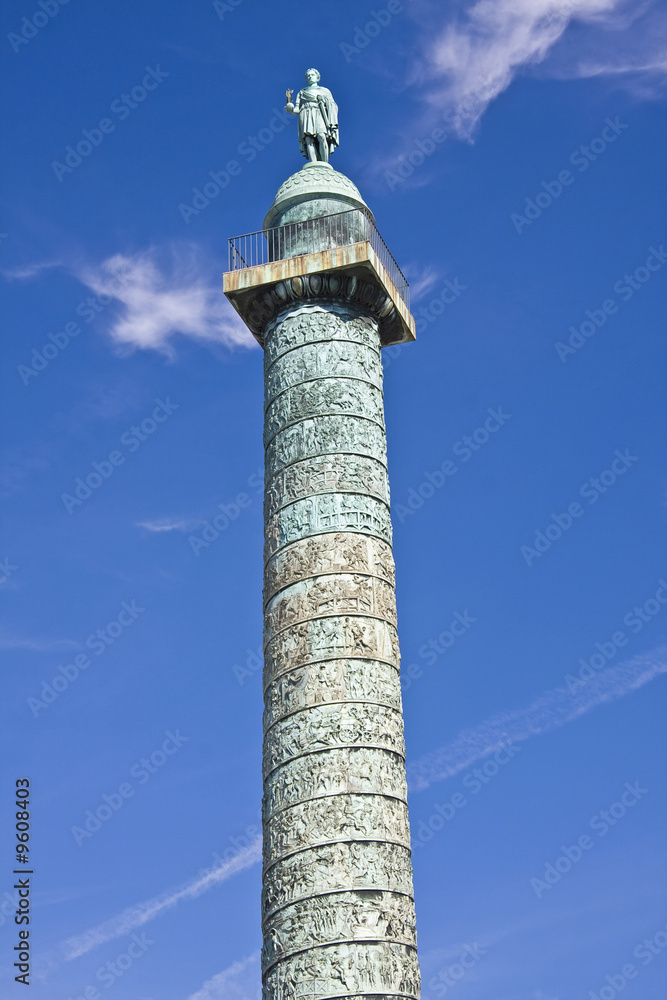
[{"x": 259, "y": 301}]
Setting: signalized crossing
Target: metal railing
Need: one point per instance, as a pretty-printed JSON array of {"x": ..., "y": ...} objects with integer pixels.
[{"x": 312, "y": 235}]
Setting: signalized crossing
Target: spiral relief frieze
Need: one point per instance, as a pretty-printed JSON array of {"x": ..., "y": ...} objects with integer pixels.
[
  {"x": 328, "y": 553},
  {"x": 337, "y": 888}
]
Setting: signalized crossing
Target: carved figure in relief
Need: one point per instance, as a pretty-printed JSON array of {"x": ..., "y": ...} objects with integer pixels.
[
  {"x": 355, "y": 682},
  {"x": 329, "y": 679},
  {"x": 298, "y": 643},
  {"x": 292, "y": 683},
  {"x": 361, "y": 476},
  {"x": 328, "y": 634},
  {"x": 357, "y": 630}
]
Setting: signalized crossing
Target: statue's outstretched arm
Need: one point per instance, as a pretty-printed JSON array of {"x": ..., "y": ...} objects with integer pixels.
[{"x": 294, "y": 108}]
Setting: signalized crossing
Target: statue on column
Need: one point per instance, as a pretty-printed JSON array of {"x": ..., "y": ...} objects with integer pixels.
[{"x": 318, "y": 118}]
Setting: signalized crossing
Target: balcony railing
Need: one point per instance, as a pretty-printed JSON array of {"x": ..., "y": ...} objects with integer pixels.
[{"x": 311, "y": 236}]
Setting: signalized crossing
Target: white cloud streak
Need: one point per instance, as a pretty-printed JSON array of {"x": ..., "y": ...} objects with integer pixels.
[
  {"x": 551, "y": 710},
  {"x": 140, "y": 914},
  {"x": 26, "y": 271},
  {"x": 163, "y": 294},
  {"x": 474, "y": 58},
  {"x": 422, "y": 279},
  {"x": 156, "y": 295},
  {"x": 241, "y": 981},
  {"x": 9, "y": 641},
  {"x": 168, "y": 524}
]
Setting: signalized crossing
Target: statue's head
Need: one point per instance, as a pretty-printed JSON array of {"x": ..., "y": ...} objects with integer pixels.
[{"x": 312, "y": 76}]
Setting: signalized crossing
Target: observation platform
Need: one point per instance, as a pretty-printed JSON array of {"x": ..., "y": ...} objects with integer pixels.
[{"x": 347, "y": 242}]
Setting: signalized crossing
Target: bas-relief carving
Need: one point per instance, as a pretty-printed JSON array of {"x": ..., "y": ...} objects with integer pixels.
[
  {"x": 347, "y": 396},
  {"x": 330, "y": 638},
  {"x": 340, "y": 594},
  {"x": 326, "y": 474},
  {"x": 325, "y": 726},
  {"x": 352, "y": 916},
  {"x": 355, "y": 865},
  {"x": 385, "y": 970},
  {"x": 337, "y": 552},
  {"x": 340, "y": 817},
  {"x": 326, "y": 512},
  {"x": 309, "y": 324},
  {"x": 342, "y": 358},
  {"x": 331, "y": 772},
  {"x": 334, "y": 810},
  {"x": 331, "y": 681},
  {"x": 325, "y": 435}
]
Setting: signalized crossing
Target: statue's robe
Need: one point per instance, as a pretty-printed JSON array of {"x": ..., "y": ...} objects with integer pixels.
[{"x": 318, "y": 115}]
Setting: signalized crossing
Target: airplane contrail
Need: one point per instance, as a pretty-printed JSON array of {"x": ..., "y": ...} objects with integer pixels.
[
  {"x": 141, "y": 913},
  {"x": 231, "y": 983},
  {"x": 550, "y": 710}
]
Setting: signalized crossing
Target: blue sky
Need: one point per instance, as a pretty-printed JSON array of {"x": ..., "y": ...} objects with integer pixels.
[{"x": 513, "y": 154}]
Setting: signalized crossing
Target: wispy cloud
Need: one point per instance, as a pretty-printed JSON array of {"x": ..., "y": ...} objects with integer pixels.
[
  {"x": 140, "y": 914},
  {"x": 155, "y": 295},
  {"x": 169, "y": 524},
  {"x": 16, "y": 468},
  {"x": 163, "y": 293},
  {"x": 241, "y": 981},
  {"x": 551, "y": 710},
  {"x": 475, "y": 57},
  {"x": 421, "y": 278},
  {"x": 23, "y": 272},
  {"x": 10, "y": 641}
]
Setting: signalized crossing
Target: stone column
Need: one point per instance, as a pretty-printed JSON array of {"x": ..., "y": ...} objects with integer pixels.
[{"x": 337, "y": 901}]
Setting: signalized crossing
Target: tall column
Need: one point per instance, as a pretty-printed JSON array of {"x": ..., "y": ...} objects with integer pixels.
[{"x": 337, "y": 900}]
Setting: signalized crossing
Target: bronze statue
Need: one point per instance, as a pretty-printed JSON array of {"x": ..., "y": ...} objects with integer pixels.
[{"x": 318, "y": 118}]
